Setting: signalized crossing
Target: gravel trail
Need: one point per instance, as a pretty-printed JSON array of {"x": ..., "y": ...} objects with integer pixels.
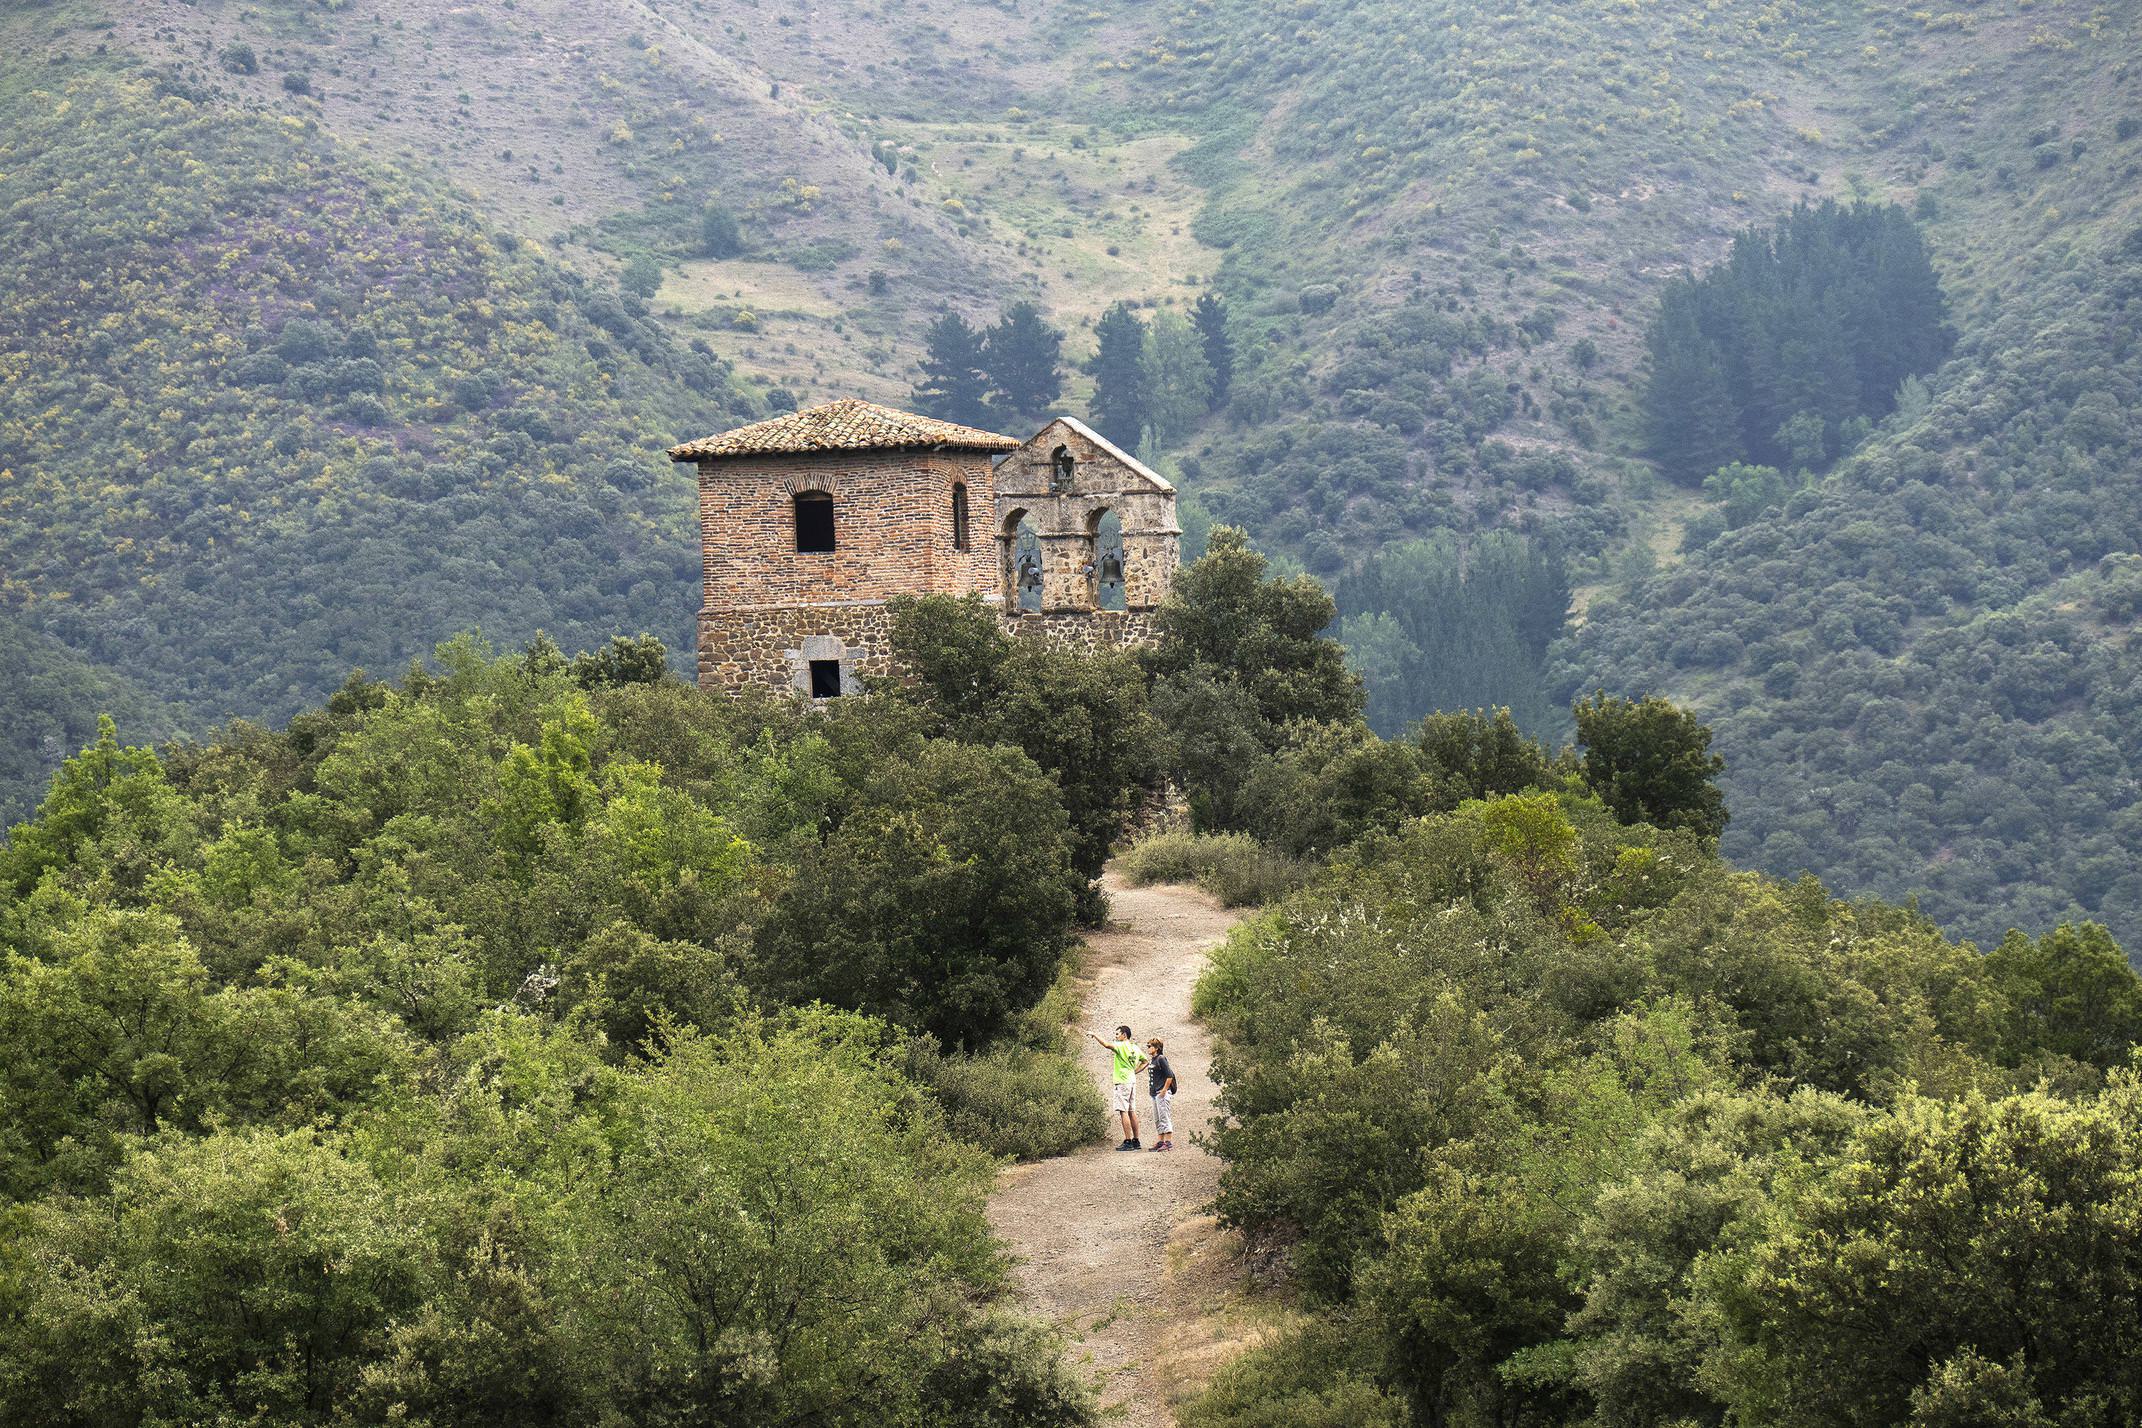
[{"x": 1092, "y": 1229}]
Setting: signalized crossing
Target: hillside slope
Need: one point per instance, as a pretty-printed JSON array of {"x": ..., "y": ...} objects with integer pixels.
[
  {"x": 870, "y": 193},
  {"x": 1923, "y": 672},
  {"x": 50, "y": 698},
  {"x": 274, "y": 412}
]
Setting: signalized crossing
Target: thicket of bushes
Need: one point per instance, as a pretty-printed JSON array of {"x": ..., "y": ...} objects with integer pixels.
[
  {"x": 1263, "y": 730},
  {"x": 462, "y": 1053},
  {"x": 1568, "y": 1122},
  {"x": 1233, "y": 867},
  {"x": 1560, "y": 1119}
]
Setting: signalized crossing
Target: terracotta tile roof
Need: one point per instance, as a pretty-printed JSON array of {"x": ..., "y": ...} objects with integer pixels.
[{"x": 845, "y": 425}]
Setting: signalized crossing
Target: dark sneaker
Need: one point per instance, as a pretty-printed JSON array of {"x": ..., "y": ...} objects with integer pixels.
[{"x": 1128, "y": 1145}]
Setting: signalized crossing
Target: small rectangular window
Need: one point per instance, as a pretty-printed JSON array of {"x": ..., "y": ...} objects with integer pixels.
[
  {"x": 814, "y": 522},
  {"x": 825, "y": 679},
  {"x": 959, "y": 515}
]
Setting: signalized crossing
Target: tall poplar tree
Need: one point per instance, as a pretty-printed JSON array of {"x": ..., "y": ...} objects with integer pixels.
[
  {"x": 1022, "y": 355},
  {"x": 1209, "y": 316},
  {"x": 1120, "y": 405},
  {"x": 953, "y": 387}
]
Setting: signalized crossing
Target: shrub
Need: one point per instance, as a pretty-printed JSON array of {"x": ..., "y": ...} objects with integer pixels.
[
  {"x": 1233, "y": 867},
  {"x": 1308, "y": 1377},
  {"x": 719, "y": 234},
  {"x": 1011, "y": 1100},
  {"x": 641, "y": 277},
  {"x": 943, "y": 900}
]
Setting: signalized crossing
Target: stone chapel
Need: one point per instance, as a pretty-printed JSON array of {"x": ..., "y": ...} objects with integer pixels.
[{"x": 810, "y": 522}]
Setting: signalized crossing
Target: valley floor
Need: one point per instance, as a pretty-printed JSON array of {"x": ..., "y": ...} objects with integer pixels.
[{"x": 1119, "y": 1249}]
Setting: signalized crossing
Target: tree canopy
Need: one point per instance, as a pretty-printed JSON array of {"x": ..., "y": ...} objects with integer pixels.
[{"x": 443, "y": 1056}]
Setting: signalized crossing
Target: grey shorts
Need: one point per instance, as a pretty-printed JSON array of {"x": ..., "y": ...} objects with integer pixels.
[
  {"x": 1163, "y": 1109},
  {"x": 1123, "y": 1097}
]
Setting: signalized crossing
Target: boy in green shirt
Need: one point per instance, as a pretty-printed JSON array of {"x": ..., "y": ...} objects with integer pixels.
[{"x": 1123, "y": 1096}]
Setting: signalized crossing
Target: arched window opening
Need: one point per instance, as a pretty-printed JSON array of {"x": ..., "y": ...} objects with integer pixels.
[
  {"x": 1108, "y": 587},
  {"x": 814, "y": 522},
  {"x": 960, "y": 539},
  {"x": 1022, "y": 563},
  {"x": 1061, "y": 468}
]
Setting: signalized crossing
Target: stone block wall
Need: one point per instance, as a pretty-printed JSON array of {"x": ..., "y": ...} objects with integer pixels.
[
  {"x": 1087, "y": 630},
  {"x": 773, "y": 648},
  {"x": 1065, "y": 516}
]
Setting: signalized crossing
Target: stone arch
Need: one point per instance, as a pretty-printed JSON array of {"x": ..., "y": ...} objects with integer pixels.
[
  {"x": 1106, "y": 583},
  {"x": 1022, "y": 563}
]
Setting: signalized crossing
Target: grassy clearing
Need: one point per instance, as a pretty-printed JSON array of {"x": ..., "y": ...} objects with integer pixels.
[
  {"x": 1233, "y": 867},
  {"x": 1092, "y": 221}
]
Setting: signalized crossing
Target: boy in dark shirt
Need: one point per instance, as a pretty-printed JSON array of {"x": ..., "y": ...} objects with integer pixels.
[{"x": 1161, "y": 1082}]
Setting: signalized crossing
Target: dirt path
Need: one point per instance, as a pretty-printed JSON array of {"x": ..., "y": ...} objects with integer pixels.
[{"x": 1094, "y": 1229}]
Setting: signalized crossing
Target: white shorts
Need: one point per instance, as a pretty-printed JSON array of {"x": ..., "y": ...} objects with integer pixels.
[
  {"x": 1163, "y": 1104},
  {"x": 1121, "y": 1098}
]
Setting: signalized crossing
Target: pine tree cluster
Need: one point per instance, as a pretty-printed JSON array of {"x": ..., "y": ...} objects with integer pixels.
[
  {"x": 1433, "y": 625},
  {"x": 1785, "y": 353},
  {"x": 1150, "y": 380},
  {"x": 1158, "y": 380},
  {"x": 1009, "y": 374}
]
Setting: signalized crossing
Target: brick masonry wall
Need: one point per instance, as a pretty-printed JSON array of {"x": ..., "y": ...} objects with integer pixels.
[
  {"x": 769, "y": 609},
  {"x": 892, "y": 528}
]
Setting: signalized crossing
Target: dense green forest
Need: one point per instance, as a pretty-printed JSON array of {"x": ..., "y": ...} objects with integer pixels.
[
  {"x": 50, "y": 699},
  {"x": 547, "y": 1041},
  {"x": 274, "y": 412},
  {"x": 1434, "y": 626},
  {"x": 1921, "y": 670}
]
